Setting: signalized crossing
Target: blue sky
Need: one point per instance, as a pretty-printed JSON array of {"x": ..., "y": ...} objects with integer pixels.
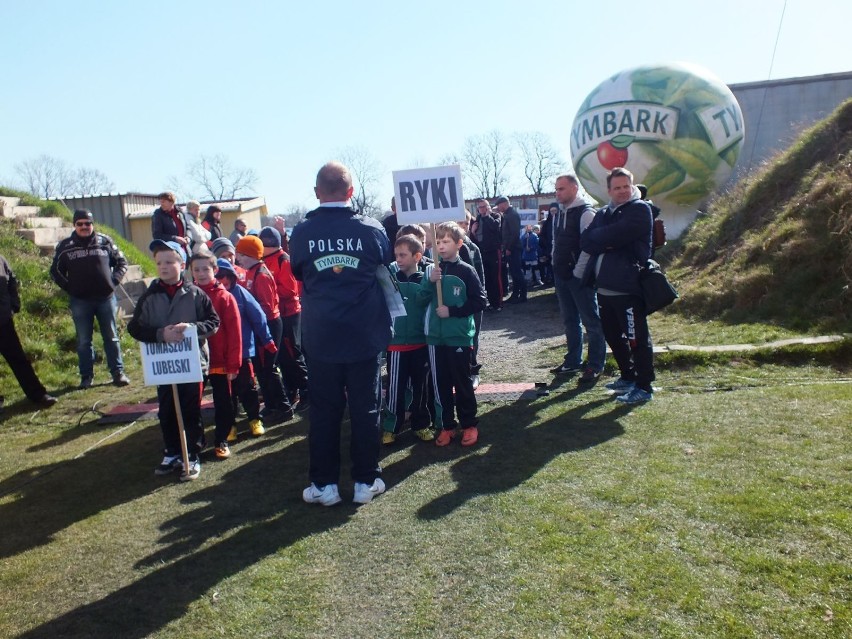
[{"x": 139, "y": 89}]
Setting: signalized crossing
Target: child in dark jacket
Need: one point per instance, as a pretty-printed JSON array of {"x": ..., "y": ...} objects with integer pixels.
[
  {"x": 164, "y": 311},
  {"x": 225, "y": 346},
  {"x": 450, "y": 331},
  {"x": 407, "y": 354}
]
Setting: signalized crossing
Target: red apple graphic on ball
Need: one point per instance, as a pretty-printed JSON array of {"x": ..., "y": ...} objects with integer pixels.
[{"x": 613, "y": 153}]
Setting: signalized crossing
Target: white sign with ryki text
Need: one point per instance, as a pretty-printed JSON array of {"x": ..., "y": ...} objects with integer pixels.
[
  {"x": 172, "y": 362},
  {"x": 429, "y": 195}
]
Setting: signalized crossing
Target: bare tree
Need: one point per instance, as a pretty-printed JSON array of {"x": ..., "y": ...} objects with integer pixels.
[
  {"x": 92, "y": 182},
  {"x": 485, "y": 163},
  {"x": 366, "y": 171},
  {"x": 219, "y": 179},
  {"x": 541, "y": 161},
  {"x": 47, "y": 176},
  {"x": 295, "y": 214}
]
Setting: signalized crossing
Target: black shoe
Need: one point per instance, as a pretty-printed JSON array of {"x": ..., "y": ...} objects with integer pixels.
[
  {"x": 86, "y": 382},
  {"x": 565, "y": 368},
  {"x": 304, "y": 401},
  {"x": 278, "y": 415},
  {"x": 589, "y": 376},
  {"x": 46, "y": 400}
]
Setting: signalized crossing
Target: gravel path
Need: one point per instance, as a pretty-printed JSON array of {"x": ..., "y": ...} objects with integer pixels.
[{"x": 523, "y": 341}]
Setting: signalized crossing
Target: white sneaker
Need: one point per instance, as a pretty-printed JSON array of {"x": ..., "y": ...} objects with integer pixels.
[
  {"x": 364, "y": 493},
  {"x": 327, "y": 496},
  {"x": 474, "y": 380},
  {"x": 194, "y": 470}
]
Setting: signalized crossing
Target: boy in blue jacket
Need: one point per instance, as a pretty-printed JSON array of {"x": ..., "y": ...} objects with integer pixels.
[{"x": 253, "y": 324}]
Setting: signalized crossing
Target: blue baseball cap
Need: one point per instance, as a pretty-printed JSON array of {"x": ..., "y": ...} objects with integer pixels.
[
  {"x": 174, "y": 246},
  {"x": 225, "y": 267}
]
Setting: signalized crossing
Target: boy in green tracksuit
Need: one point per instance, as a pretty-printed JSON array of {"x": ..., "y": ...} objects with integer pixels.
[
  {"x": 407, "y": 356},
  {"x": 449, "y": 332}
]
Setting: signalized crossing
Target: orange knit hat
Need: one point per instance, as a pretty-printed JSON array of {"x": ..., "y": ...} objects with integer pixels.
[{"x": 252, "y": 246}]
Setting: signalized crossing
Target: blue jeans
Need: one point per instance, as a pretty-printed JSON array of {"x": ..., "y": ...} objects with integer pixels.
[
  {"x": 84, "y": 312},
  {"x": 578, "y": 303}
]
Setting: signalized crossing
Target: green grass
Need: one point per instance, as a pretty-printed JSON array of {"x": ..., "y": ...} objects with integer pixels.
[
  {"x": 778, "y": 246},
  {"x": 712, "y": 514}
]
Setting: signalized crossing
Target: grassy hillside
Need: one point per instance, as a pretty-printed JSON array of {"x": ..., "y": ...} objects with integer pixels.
[
  {"x": 51, "y": 208},
  {"x": 778, "y": 247}
]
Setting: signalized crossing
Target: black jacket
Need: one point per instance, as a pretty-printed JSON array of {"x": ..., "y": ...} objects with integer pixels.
[
  {"x": 487, "y": 234},
  {"x": 622, "y": 235},
  {"x": 511, "y": 230},
  {"x": 336, "y": 253},
  {"x": 163, "y": 226},
  {"x": 10, "y": 300},
  {"x": 88, "y": 267}
]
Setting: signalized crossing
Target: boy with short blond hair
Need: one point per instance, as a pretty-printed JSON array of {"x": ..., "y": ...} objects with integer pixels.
[
  {"x": 407, "y": 356},
  {"x": 450, "y": 331},
  {"x": 164, "y": 311},
  {"x": 225, "y": 347}
]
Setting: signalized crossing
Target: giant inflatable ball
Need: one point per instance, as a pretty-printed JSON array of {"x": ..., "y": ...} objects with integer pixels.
[{"x": 676, "y": 127}]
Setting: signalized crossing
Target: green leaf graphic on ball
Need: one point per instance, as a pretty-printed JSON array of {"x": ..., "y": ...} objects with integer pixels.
[{"x": 613, "y": 153}]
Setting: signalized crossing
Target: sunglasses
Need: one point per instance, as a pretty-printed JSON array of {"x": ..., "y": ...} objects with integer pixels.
[{"x": 82, "y": 223}]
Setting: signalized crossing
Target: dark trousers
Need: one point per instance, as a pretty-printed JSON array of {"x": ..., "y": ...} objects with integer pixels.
[
  {"x": 404, "y": 368},
  {"x": 291, "y": 361},
  {"x": 189, "y": 396},
  {"x": 451, "y": 371},
  {"x": 331, "y": 386},
  {"x": 271, "y": 384},
  {"x": 625, "y": 326},
  {"x": 516, "y": 270},
  {"x": 244, "y": 388},
  {"x": 493, "y": 285},
  {"x": 13, "y": 352},
  {"x": 223, "y": 407},
  {"x": 474, "y": 353}
]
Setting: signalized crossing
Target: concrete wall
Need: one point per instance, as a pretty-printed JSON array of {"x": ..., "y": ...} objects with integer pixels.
[{"x": 775, "y": 112}]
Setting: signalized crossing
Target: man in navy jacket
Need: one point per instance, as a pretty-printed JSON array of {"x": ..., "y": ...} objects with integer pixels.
[
  {"x": 619, "y": 243},
  {"x": 346, "y": 327}
]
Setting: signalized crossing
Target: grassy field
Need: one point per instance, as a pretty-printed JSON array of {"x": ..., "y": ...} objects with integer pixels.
[{"x": 721, "y": 509}]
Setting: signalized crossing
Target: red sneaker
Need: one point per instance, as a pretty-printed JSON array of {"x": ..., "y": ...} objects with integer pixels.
[
  {"x": 469, "y": 436},
  {"x": 445, "y": 437}
]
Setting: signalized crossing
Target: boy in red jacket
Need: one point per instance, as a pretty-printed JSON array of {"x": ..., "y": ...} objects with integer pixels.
[
  {"x": 226, "y": 348},
  {"x": 261, "y": 284}
]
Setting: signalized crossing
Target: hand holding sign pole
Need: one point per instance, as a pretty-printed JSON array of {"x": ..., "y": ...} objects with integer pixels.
[{"x": 428, "y": 196}]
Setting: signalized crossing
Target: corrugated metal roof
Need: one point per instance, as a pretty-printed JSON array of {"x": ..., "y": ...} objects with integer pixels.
[{"x": 244, "y": 204}]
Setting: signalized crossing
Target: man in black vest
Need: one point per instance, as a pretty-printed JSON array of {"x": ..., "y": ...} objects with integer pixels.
[
  {"x": 577, "y": 303},
  {"x": 88, "y": 266}
]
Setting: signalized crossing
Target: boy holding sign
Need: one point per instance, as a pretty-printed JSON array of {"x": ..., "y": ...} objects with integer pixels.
[
  {"x": 449, "y": 332},
  {"x": 162, "y": 314}
]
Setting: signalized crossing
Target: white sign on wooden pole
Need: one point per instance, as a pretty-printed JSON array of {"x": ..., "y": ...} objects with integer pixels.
[
  {"x": 172, "y": 362},
  {"x": 429, "y": 195}
]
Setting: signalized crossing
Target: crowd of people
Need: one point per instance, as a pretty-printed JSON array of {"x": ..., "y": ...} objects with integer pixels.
[{"x": 246, "y": 295}]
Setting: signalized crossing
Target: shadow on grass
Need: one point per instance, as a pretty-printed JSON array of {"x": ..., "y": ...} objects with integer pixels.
[
  {"x": 518, "y": 447},
  {"x": 254, "y": 510}
]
